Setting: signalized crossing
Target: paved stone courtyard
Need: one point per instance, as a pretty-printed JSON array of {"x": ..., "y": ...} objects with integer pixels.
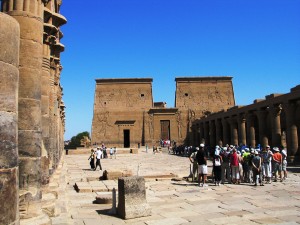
[{"x": 173, "y": 201}]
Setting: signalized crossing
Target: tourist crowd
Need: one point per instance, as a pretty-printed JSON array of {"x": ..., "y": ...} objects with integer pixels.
[{"x": 236, "y": 164}]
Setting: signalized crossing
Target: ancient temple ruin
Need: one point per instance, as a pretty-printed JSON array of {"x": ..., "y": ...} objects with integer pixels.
[
  {"x": 273, "y": 121},
  {"x": 32, "y": 118},
  {"x": 125, "y": 114}
]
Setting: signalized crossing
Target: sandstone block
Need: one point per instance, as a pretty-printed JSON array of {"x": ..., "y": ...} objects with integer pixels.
[{"x": 132, "y": 198}]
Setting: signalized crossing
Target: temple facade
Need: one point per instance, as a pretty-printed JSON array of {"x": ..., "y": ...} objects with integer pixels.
[
  {"x": 32, "y": 118},
  {"x": 125, "y": 114}
]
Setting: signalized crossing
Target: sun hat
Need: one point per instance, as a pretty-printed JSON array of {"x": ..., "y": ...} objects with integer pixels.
[
  {"x": 202, "y": 145},
  {"x": 276, "y": 149}
]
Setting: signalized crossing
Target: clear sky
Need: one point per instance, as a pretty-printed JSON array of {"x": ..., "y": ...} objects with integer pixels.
[{"x": 257, "y": 42}]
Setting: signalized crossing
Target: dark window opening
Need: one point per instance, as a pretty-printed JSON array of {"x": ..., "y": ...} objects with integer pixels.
[{"x": 186, "y": 94}]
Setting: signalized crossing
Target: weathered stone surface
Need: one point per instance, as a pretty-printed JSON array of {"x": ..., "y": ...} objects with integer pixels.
[
  {"x": 29, "y": 114},
  {"x": 104, "y": 199},
  {"x": 10, "y": 40},
  {"x": 114, "y": 175},
  {"x": 9, "y": 196},
  {"x": 8, "y": 143},
  {"x": 30, "y": 143},
  {"x": 9, "y": 86},
  {"x": 132, "y": 198},
  {"x": 134, "y": 150},
  {"x": 30, "y": 174}
]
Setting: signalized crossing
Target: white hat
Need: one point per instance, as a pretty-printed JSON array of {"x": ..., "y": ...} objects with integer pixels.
[
  {"x": 276, "y": 149},
  {"x": 202, "y": 145},
  {"x": 256, "y": 152},
  {"x": 247, "y": 149},
  {"x": 225, "y": 148},
  {"x": 197, "y": 148}
]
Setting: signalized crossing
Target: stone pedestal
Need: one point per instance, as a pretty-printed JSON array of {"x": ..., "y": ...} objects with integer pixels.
[{"x": 132, "y": 198}]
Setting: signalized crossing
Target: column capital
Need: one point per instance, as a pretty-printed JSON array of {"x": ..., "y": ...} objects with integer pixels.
[{"x": 276, "y": 110}]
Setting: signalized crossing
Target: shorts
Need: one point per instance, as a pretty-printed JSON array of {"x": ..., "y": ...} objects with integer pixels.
[
  {"x": 202, "y": 169},
  {"x": 284, "y": 164},
  {"x": 277, "y": 167}
]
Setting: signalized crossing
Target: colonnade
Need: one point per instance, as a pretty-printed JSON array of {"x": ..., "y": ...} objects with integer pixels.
[
  {"x": 32, "y": 120},
  {"x": 273, "y": 121}
]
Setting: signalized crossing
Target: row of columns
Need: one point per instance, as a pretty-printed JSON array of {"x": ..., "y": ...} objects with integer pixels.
[
  {"x": 264, "y": 126},
  {"x": 32, "y": 119}
]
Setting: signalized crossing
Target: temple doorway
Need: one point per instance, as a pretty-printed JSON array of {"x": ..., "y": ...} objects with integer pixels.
[
  {"x": 165, "y": 129},
  {"x": 126, "y": 134}
]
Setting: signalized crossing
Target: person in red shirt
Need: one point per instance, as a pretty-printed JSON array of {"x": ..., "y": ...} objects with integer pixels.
[
  {"x": 277, "y": 158},
  {"x": 234, "y": 162}
]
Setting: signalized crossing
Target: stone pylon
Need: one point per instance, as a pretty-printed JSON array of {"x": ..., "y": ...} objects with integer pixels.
[{"x": 9, "y": 77}]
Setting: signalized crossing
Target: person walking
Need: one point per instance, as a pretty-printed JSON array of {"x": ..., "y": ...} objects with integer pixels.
[
  {"x": 92, "y": 159},
  {"x": 98, "y": 157},
  {"x": 193, "y": 160}
]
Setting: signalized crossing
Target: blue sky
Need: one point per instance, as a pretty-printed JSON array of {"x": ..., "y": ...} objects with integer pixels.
[{"x": 257, "y": 42}]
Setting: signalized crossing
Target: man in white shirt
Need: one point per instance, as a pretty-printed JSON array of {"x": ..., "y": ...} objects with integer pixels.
[{"x": 98, "y": 157}]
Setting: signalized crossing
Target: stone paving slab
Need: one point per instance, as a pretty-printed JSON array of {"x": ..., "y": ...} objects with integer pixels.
[{"x": 177, "y": 201}]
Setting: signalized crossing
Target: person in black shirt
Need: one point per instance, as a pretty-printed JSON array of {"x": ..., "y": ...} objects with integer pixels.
[{"x": 202, "y": 166}]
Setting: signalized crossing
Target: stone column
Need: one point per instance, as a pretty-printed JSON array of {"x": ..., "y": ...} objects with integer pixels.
[
  {"x": 218, "y": 133},
  {"x": 233, "y": 131},
  {"x": 45, "y": 89},
  {"x": 276, "y": 126},
  {"x": 262, "y": 121},
  {"x": 30, "y": 18},
  {"x": 292, "y": 132},
  {"x": 9, "y": 77},
  {"x": 206, "y": 133},
  {"x": 226, "y": 134},
  {"x": 250, "y": 130},
  {"x": 242, "y": 129},
  {"x": 201, "y": 127},
  {"x": 212, "y": 133}
]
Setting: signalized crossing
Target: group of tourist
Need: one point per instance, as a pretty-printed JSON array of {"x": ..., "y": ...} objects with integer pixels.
[
  {"x": 236, "y": 164},
  {"x": 101, "y": 153}
]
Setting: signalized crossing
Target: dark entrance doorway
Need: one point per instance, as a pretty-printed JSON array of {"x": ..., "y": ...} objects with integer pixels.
[
  {"x": 126, "y": 134},
  {"x": 165, "y": 129}
]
